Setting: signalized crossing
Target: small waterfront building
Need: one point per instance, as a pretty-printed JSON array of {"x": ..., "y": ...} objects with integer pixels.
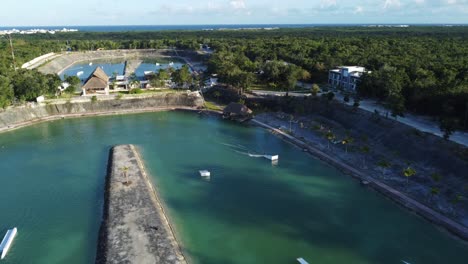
[
  {"x": 40, "y": 99},
  {"x": 97, "y": 82},
  {"x": 346, "y": 77},
  {"x": 212, "y": 81},
  {"x": 237, "y": 112},
  {"x": 149, "y": 75},
  {"x": 120, "y": 82}
]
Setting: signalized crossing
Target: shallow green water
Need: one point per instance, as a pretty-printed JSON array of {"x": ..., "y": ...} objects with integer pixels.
[{"x": 52, "y": 178}]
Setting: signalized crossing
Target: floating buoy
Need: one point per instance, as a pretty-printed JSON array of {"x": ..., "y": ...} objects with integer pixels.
[{"x": 205, "y": 173}]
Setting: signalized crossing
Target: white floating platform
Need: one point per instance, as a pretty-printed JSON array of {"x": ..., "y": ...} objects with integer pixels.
[
  {"x": 271, "y": 157},
  {"x": 205, "y": 173},
  {"x": 7, "y": 240},
  {"x": 302, "y": 261}
]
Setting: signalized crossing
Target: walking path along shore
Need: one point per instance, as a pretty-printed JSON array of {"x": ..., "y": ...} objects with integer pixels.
[{"x": 395, "y": 195}]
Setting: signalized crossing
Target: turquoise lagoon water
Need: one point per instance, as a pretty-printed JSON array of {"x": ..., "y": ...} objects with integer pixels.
[{"x": 52, "y": 179}]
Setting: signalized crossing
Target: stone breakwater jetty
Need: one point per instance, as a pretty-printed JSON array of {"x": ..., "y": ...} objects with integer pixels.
[{"x": 135, "y": 228}]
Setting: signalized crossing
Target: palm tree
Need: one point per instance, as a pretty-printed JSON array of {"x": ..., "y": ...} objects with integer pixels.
[
  {"x": 434, "y": 191},
  {"x": 346, "y": 141},
  {"x": 455, "y": 201},
  {"x": 330, "y": 136},
  {"x": 384, "y": 165},
  {"x": 217, "y": 95},
  {"x": 315, "y": 89},
  {"x": 436, "y": 177},
  {"x": 364, "y": 149},
  {"x": 408, "y": 172},
  {"x": 291, "y": 119},
  {"x": 125, "y": 174},
  {"x": 135, "y": 84}
]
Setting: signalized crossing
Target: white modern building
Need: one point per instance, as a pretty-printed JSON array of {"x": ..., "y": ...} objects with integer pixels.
[{"x": 346, "y": 77}]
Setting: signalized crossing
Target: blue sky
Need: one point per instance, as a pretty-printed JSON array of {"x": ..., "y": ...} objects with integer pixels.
[{"x": 156, "y": 12}]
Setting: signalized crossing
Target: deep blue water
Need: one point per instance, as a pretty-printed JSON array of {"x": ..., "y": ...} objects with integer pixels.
[{"x": 197, "y": 27}]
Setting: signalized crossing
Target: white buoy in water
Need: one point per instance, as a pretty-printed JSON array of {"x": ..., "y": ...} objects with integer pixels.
[
  {"x": 271, "y": 157},
  {"x": 205, "y": 173},
  {"x": 7, "y": 240}
]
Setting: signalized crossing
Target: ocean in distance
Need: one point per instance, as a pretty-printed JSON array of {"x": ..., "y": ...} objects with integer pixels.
[{"x": 205, "y": 27}]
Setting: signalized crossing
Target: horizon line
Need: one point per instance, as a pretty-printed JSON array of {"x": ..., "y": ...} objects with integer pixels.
[{"x": 240, "y": 24}]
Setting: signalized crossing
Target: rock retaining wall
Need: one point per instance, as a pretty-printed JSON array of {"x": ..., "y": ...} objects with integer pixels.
[{"x": 16, "y": 117}]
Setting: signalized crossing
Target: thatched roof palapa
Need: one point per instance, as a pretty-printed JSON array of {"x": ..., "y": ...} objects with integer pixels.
[
  {"x": 237, "y": 109},
  {"x": 238, "y": 112},
  {"x": 97, "y": 80}
]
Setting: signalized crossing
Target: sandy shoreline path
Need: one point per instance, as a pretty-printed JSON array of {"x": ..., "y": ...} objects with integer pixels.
[{"x": 135, "y": 228}]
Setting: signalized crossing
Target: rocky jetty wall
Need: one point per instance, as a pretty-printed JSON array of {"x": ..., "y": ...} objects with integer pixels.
[{"x": 135, "y": 228}]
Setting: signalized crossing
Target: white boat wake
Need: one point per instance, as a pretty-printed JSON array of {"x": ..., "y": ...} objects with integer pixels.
[{"x": 245, "y": 151}]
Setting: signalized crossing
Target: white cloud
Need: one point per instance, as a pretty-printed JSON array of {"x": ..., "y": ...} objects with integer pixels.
[
  {"x": 358, "y": 10},
  {"x": 238, "y": 4},
  {"x": 327, "y": 4},
  {"x": 392, "y": 4}
]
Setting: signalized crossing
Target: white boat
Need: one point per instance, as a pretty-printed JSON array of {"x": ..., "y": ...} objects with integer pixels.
[
  {"x": 302, "y": 261},
  {"x": 271, "y": 157},
  {"x": 157, "y": 64},
  {"x": 7, "y": 240},
  {"x": 90, "y": 63},
  {"x": 171, "y": 63},
  {"x": 79, "y": 73},
  {"x": 406, "y": 262},
  {"x": 205, "y": 173}
]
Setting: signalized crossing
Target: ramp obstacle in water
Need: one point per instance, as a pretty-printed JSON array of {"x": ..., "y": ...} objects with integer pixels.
[{"x": 7, "y": 241}]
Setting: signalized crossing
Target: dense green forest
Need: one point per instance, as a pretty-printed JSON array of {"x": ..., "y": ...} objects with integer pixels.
[{"x": 419, "y": 69}]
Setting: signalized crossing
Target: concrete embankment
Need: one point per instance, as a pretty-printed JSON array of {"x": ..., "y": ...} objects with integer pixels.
[
  {"x": 135, "y": 228},
  {"x": 66, "y": 60},
  {"x": 16, "y": 117},
  {"x": 395, "y": 195}
]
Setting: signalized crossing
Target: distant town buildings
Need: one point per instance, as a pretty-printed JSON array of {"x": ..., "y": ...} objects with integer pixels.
[
  {"x": 346, "y": 77},
  {"x": 35, "y": 31}
]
